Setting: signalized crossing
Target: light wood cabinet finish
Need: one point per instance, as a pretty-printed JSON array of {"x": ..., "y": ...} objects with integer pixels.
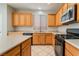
[
  {"x": 42, "y": 38},
  {"x": 49, "y": 38},
  {"x": 70, "y": 5},
  {"x": 22, "y": 19},
  {"x": 53, "y": 39},
  {"x": 58, "y": 17},
  {"x": 26, "y": 43},
  {"x": 51, "y": 20},
  {"x": 64, "y": 8},
  {"x": 26, "y": 48},
  {"x": 26, "y": 51},
  {"x": 23, "y": 49},
  {"x": 28, "y": 19},
  {"x": 35, "y": 38},
  {"x": 67, "y": 53},
  {"x": 72, "y": 50},
  {"x": 15, "y": 19},
  {"x": 13, "y": 52}
]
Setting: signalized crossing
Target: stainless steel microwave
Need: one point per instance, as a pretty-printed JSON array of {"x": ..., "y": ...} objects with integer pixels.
[{"x": 69, "y": 15}]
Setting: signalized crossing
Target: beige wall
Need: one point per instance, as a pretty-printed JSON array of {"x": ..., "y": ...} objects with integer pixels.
[{"x": 9, "y": 19}]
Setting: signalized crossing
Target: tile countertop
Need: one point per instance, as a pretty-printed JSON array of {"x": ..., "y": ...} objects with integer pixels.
[
  {"x": 73, "y": 42},
  {"x": 11, "y": 41}
]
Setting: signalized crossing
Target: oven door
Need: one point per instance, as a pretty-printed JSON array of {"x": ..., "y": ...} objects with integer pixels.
[{"x": 59, "y": 45}]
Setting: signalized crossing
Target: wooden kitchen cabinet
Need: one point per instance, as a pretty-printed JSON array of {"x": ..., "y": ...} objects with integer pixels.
[
  {"x": 22, "y": 19},
  {"x": 58, "y": 17},
  {"x": 71, "y": 50},
  {"x": 51, "y": 20},
  {"x": 70, "y": 5},
  {"x": 64, "y": 7},
  {"x": 13, "y": 52},
  {"x": 26, "y": 48},
  {"x": 67, "y": 53},
  {"x": 23, "y": 49},
  {"x": 42, "y": 38},
  {"x": 28, "y": 19},
  {"x": 39, "y": 38},
  {"x": 35, "y": 38},
  {"x": 53, "y": 39},
  {"x": 48, "y": 38},
  {"x": 15, "y": 19},
  {"x": 26, "y": 51}
]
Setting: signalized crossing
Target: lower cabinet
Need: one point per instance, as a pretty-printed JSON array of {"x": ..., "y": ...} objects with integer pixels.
[
  {"x": 43, "y": 38},
  {"x": 24, "y": 49},
  {"x": 13, "y": 52},
  {"x": 48, "y": 38},
  {"x": 70, "y": 50}
]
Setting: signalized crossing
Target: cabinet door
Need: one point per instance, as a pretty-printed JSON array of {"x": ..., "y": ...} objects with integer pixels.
[
  {"x": 65, "y": 6},
  {"x": 35, "y": 38},
  {"x": 77, "y": 12},
  {"x": 42, "y": 38},
  {"x": 15, "y": 19},
  {"x": 26, "y": 51},
  {"x": 48, "y": 38},
  {"x": 22, "y": 19},
  {"x": 53, "y": 39},
  {"x": 51, "y": 20},
  {"x": 58, "y": 19},
  {"x": 26, "y": 47},
  {"x": 28, "y": 20},
  {"x": 73, "y": 50},
  {"x": 13, "y": 52},
  {"x": 70, "y": 5}
]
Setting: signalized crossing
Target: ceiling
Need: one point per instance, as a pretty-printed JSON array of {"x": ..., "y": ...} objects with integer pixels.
[{"x": 52, "y": 7}]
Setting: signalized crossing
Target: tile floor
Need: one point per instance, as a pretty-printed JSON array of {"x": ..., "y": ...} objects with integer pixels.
[{"x": 42, "y": 50}]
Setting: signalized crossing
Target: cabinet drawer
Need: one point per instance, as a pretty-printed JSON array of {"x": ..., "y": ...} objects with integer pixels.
[
  {"x": 74, "y": 51},
  {"x": 26, "y": 43},
  {"x": 13, "y": 52}
]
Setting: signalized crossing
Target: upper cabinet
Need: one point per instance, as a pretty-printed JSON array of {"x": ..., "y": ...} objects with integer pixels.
[
  {"x": 64, "y": 7},
  {"x": 15, "y": 19},
  {"x": 70, "y": 5},
  {"x": 58, "y": 17},
  {"x": 28, "y": 19},
  {"x": 22, "y": 19},
  {"x": 51, "y": 20}
]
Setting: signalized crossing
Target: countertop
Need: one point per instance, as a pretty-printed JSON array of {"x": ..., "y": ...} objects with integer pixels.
[
  {"x": 11, "y": 41},
  {"x": 53, "y": 32},
  {"x": 73, "y": 42}
]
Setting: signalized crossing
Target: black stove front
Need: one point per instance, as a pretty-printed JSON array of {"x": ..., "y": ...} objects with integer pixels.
[{"x": 60, "y": 40}]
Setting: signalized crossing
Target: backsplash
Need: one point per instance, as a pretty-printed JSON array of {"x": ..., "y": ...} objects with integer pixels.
[{"x": 64, "y": 27}]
